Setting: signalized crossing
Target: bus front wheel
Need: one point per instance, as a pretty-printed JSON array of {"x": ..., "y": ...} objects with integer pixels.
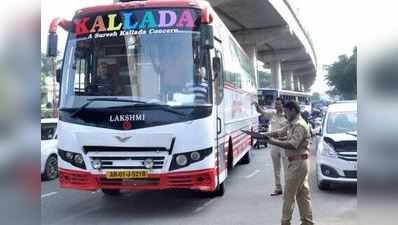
[{"x": 220, "y": 190}]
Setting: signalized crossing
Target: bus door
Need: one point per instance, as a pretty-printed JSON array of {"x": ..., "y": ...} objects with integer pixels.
[{"x": 218, "y": 101}]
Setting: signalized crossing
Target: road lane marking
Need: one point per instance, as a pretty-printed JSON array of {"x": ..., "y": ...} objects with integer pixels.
[
  {"x": 200, "y": 208},
  {"x": 49, "y": 194},
  {"x": 253, "y": 174}
]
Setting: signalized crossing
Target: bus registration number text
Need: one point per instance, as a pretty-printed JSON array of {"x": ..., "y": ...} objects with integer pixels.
[{"x": 126, "y": 174}]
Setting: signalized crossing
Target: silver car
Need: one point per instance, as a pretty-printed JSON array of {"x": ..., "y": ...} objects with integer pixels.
[
  {"x": 336, "y": 160},
  {"x": 49, "y": 163}
]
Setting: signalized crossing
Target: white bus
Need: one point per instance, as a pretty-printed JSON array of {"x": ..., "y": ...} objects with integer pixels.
[
  {"x": 267, "y": 97},
  {"x": 153, "y": 96}
]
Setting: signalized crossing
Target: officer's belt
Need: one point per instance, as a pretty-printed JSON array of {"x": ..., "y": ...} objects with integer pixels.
[{"x": 297, "y": 157}]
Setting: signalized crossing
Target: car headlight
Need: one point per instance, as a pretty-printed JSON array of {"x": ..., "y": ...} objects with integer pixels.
[
  {"x": 76, "y": 159},
  {"x": 181, "y": 160},
  {"x": 328, "y": 150}
]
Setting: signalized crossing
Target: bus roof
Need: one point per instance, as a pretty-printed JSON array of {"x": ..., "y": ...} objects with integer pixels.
[
  {"x": 200, "y": 4},
  {"x": 298, "y": 93}
]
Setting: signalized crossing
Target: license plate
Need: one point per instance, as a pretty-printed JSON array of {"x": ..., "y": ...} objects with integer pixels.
[{"x": 126, "y": 174}]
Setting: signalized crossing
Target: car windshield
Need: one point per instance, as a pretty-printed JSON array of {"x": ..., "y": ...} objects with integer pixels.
[
  {"x": 48, "y": 131},
  {"x": 341, "y": 122},
  {"x": 164, "y": 66}
]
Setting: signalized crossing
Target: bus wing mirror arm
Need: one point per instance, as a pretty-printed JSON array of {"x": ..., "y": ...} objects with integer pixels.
[
  {"x": 207, "y": 36},
  {"x": 52, "y": 42},
  {"x": 216, "y": 66}
]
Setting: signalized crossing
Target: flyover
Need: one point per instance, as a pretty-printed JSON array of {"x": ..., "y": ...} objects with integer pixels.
[{"x": 271, "y": 31}]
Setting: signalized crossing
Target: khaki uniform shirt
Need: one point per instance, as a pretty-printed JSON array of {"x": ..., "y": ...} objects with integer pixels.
[
  {"x": 298, "y": 135},
  {"x": 277, "y": 121}
]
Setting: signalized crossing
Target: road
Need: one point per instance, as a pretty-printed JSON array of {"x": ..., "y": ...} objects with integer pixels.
[{"x": 246, "y": 202}]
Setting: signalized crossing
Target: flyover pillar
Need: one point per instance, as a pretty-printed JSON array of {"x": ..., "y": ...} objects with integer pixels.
[
  {"x": 296, "y": 83},
  {"x": 276, "y": 74},
  {"x": 289, "y": 80}
]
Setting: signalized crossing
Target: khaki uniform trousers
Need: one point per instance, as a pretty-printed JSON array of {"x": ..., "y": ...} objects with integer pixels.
[
  {"x": 297, "y": 189},
  {"x": 278, "y": 160}
]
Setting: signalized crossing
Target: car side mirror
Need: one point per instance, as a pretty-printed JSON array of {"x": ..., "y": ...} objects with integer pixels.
[
  {"x": 58, "y": 75},
  {"x": 318, "y": 131}
]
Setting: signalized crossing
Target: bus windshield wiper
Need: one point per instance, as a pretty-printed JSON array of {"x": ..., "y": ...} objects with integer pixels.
[
  {"x": 91, "y": 100},
  {"x": 140, "y": 103},
  {"x": 164, "y": 107}
]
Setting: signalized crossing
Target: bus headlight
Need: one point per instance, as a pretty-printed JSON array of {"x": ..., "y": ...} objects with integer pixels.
[
  {"x": 195, "y": 156},
  {"x": 181, "y": 160},
  {"x": 185, "y": 159},
  {"x": 76, "y": 159}
]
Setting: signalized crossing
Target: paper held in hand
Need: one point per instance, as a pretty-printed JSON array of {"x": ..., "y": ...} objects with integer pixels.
[{"x": 255, "y": 135}]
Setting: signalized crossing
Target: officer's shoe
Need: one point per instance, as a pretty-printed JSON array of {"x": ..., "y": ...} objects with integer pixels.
[{"x": 276, "y": 192}]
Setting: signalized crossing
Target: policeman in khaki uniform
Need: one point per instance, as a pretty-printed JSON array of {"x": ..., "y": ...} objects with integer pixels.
[
  {"x": 295, "y": 140},
  {"x": 277, "y": 120}
]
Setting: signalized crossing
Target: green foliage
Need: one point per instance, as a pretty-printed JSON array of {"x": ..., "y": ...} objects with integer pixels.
[
  {"x": 342, "y": 77},
  {"x": 43, "y": 88}
]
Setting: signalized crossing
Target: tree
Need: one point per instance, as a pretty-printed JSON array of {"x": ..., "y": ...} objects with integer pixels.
[
  {"x": 43, "y": 88},
  {"x": 342, "y": 76}
]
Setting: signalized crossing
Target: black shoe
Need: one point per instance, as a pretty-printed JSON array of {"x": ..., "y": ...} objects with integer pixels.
[{"x": 275, "y": 193}]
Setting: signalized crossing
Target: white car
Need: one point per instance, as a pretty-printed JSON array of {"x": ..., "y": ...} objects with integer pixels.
[
  {"x": 49, "y": 163},
  {"x": 336, "y": 160}
]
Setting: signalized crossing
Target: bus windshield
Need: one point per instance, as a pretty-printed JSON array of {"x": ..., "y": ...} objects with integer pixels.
[{"x": 164, "y": 66}]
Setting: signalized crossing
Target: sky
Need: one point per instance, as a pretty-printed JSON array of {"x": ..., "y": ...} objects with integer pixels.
[{"x": 331, "y": 24}]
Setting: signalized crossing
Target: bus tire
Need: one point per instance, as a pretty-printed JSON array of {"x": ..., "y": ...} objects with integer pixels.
[
  {"x": 230, "y": 159},
  {"x": 219, "y": 191},
  {"x": 246, "y": 158},
  {"x": 111, "y": 192}
]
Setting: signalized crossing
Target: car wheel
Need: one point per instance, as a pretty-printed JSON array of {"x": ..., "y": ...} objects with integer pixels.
[
  {"x": 322, "y": 185},
  {"x": 111, "y": 192},
  {"x": 51, "y": 168}
]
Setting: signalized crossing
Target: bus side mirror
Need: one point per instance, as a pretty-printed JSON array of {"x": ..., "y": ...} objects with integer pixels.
[
  {"x": 216, "y": 66},
  {"x": 207, "y": 36},
  {"x": 58, "y": 75},
  {"x": 318, "y": 131},
  {"x": 52, "y": 44}
]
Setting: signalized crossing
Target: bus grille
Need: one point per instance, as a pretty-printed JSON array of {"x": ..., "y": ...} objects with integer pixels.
[
  {"x": 129, "y": 162},
  {"x": 90, "y": 148},
  {"x": 127, "y": 182}
]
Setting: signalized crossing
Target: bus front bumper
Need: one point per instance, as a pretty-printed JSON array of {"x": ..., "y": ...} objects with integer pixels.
[{"x": 203, "y": 180}]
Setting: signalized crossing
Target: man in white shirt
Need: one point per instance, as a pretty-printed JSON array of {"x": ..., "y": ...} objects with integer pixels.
[{"x": 277, "y": 120}]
